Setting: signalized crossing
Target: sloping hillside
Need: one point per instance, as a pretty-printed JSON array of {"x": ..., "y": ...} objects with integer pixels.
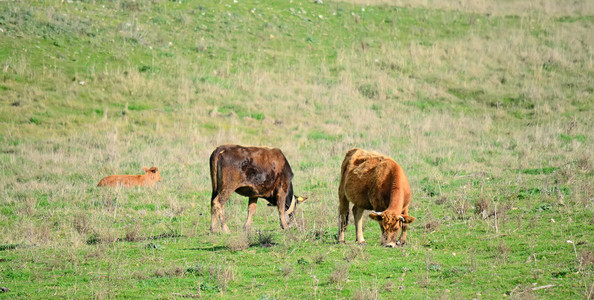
[{"x": 487, "y": 106}]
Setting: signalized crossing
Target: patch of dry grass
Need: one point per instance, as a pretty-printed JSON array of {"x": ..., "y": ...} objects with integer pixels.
[{"x": 515, "y": 7}]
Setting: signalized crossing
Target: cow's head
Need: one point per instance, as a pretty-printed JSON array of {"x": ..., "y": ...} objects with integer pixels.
[
  {"x": 390, "y": 222},
  {"x": 153, "y": 173}
]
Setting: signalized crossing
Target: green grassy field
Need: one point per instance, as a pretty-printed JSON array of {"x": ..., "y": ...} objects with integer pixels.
[{"x": 487, "y": 106}]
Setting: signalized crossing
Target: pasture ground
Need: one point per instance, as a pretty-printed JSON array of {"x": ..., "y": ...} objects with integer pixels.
[{"x": 487, "y": 106}]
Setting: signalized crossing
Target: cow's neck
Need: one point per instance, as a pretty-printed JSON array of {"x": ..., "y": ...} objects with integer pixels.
[{"x": 396, "y": 201}]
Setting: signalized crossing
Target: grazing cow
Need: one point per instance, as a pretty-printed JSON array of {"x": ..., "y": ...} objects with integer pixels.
[
  {"x": 375, "y": 182},
  {"x": 152, "y": 176},
  {"x": 254, "y": 172}
]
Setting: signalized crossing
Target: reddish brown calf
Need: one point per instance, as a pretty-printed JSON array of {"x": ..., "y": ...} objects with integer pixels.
[{"x": 152, "y": 176}]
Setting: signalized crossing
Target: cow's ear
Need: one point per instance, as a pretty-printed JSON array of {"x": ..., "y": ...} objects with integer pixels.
[
  {"x": 409, "y": 219},
  {"x": 301, "y": 199},
  {"x": 375, "y": 216},
  {"x": 145, "y": 169}
]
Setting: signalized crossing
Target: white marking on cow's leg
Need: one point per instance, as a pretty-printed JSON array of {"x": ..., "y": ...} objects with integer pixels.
[
  {"x": 251, "y": 211},
  {"x": 358, "y": 215},
  {"x": 343, "y": 215},
  {"x": 391, "y": 245}
]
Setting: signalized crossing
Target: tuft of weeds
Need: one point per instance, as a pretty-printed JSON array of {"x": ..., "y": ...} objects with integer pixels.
[
  {"x": 460, "y": 207},
  {"x": 432, "y": 225},
  {"x": 584, "y": 163},
  {"x": 153, "y": 246},
  {"x": 586, "y": 258},
  {"x": 239, "y": 243},
  {"x": 340, "y": 274},
  {"x": 171, "y": 271},
  {"x": 387, "y": 287},
  {"x": 265, "y": 239},
  {"x": 319, "y": 258},
  {"x": 441, "y": 200},
  {"x": 81, "y": 223},
  {"x": 133, "y": 233},
  {"x": 366, "y": 293},
  {"x": 93, "y": 239},
  {"x": 503, "y": 251},
  {"x": 219, "y": 276},
  {"x": 354, "y": 251},
  {"x": 481, "y": 207},
  {"x": 286, "y": 270},
  {"x": 224, "y": 275}
]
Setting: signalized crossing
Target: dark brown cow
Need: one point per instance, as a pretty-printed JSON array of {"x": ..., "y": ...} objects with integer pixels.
[
  {"x": 375, "y": 182},
  {"x": 254, "y": 172}
]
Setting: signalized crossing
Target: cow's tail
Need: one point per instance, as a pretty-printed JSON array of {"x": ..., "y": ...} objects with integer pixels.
[
  {"x": 345, "y": 164},
  {"x": 214, "y": 159}
]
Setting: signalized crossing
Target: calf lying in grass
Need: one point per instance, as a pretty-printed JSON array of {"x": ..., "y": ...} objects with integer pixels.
[{"x": 151, "y": 177}]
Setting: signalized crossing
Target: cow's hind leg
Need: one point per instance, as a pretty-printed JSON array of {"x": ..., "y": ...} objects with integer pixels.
[
  {"x": 217, "y": 211},
  {"x": 343, "y": 215},
  {"x": 214, "y": 211},
  {"x": 251, "y": 211},
  {"x": 358, "y": 215}
]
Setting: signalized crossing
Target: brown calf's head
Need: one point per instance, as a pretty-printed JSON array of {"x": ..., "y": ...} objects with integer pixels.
[
  {"x": 390, "y": 222},
  {"x": 153, "y": 174}
]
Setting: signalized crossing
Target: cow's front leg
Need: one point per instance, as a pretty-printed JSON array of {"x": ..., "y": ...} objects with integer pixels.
[
  {"x": 251, "y": 211},
  {"x": 280, "y": 202},
  {"x": 358, "y": 215},
  {"x": 402, "y": 239},
  {"x": 281, "y": 213}
]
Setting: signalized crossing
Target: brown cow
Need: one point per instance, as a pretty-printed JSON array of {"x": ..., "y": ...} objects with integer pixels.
[
  {"x": 254, "y": 172},
  {"x": 152, "y": 176},
  {"x": 375, "y": 182}
]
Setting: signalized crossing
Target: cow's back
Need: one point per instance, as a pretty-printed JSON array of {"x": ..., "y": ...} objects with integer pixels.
[
  {"x": 123, "y": 181},
  {"x": 258, "y": 167},
  {"x": 367, "y": 179}
]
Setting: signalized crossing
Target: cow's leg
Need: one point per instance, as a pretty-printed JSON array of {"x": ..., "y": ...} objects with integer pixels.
[
  {"x": 402, "y": 239},
  {"x": 358, "y": 215},
  {"x": 217, "y": 212},
  {"x": 214, "y": 212},
  {"x": 251, "y": 211},
  {"x": 343, "y": 215},
  {"x": 280, "y": 203}
]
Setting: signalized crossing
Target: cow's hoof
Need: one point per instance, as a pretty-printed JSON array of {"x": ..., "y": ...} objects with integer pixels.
[
  {"x": 341, "y": 242},
  {"x": 363, "y": 243},
  {"x": 400, "y": 243}
]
